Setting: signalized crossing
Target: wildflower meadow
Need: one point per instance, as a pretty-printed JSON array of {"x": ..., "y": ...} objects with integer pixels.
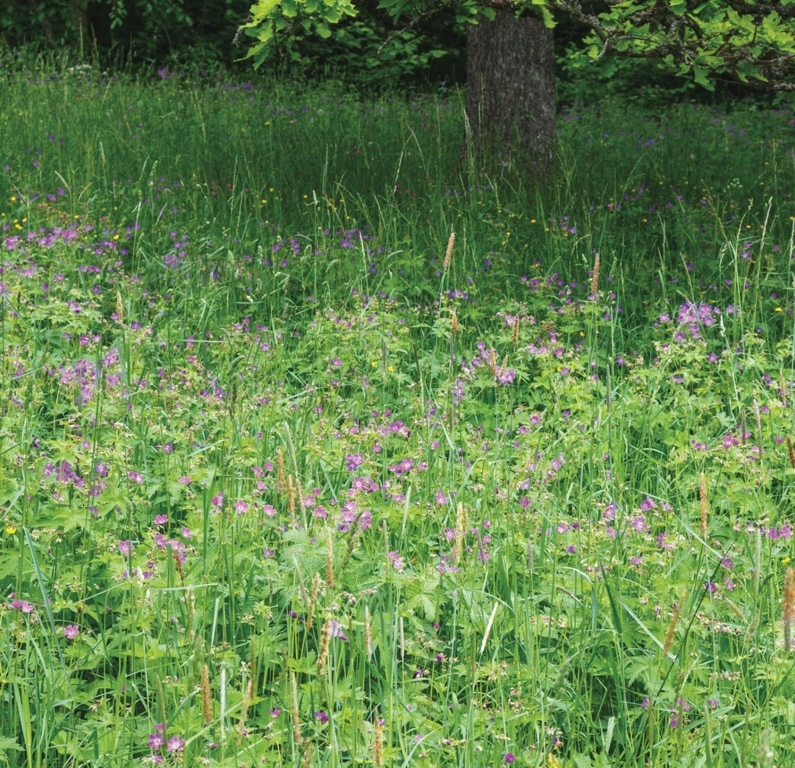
[{"x": 320, "y": 448}]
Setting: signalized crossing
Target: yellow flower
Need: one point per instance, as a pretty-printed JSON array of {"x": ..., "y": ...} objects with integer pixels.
[{"x": 11, "y": 529}]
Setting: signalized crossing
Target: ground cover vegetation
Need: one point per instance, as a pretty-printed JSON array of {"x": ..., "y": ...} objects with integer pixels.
[{"x": 288, "y": 476}]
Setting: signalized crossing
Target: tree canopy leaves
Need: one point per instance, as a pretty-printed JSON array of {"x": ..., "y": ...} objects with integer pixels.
[{"x": 743, "y": 40}]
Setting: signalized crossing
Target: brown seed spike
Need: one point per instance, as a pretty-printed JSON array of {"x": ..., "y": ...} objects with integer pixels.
[
  {"x": 325, "y": 639},
  {"x": 296, "y": 717},
  {"x": 790, "y": 452},
  {"x": 595, "y": 278},
  {"x": 378, "y": 741},
  {"x": 669, "y": 635},
  {"x": 329, "y": 560},
  {"x": 788, "y": 608},
  {"x": 207, "y": 701},
  {"x": 368, "y": 633},
  {"x": 448, "y": 254}
]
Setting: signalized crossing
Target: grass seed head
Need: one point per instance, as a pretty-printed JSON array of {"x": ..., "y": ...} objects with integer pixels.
[
  {"x": 207, "y": 701},
  {"x": 595, "y": 278},
  {"x": 329, "y": 561},
  {"x": 671, "y": 633},
  {"x": 493, "y": 362},
  {"x": 448, "y": 254},
  {"x": 378, "y": 741},
  {"x": 788, "y": 608},
  {"x": 460, "y": 531},
  {"x": 368, "y": 633},
  {"x": 296, "y": 717},
  {"x": 325, "y": 639}
]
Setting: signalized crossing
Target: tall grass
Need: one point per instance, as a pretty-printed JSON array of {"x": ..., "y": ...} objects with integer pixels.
[{"x": 279, "y": 486}]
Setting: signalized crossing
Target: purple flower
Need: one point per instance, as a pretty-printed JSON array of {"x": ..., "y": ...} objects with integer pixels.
[
  {"x": 352, "y": 461},
  {"x": 176, "y": 744},
  {"x": 71, "y": 631},
  {"x": 710, "y": 586},
  {"x": 639, "y": 524},
  {"x": 510, "y": 757},
  {"x": 161, "y": 519},
  {"x": 156, "y": 740},
  {"x": 398, "y": 562},
  {"x": 22, "y": 605},
  {"x": 321, "y": 717},
  {"x": 125, "y": 547},
  {"x": 185, "y": 480},
  {"x": 136, "y": 477},
  {"x": 335, "y": 630}
]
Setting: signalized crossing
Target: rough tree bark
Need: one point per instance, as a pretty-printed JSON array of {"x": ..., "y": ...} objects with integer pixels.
[{"x": 511, "y": 94}]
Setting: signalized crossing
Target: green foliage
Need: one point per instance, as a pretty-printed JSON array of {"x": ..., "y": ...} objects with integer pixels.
[
  {"x": 753, "y": 43},
  {"x": 370, "y": 52},
  {"x": 278, "y": 484},
  {"x": 133, "y": 29}
]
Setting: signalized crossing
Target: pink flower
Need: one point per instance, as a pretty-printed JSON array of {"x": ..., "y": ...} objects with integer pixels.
[
  {"x": 22, "y": 605},
  {"x": 71, "y": 631},
  {"x": 335, "y": 630},
  {"x": 176, "y": 744},
  {"x": 241, "y": 507},
  {"x": 125, "y": 547},
  {"x": 156, "y": 740}
]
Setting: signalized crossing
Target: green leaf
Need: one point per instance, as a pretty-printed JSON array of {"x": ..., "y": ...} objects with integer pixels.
[
  {"x": 7, "y": 743},
  {"x": 701, "y": 76}
]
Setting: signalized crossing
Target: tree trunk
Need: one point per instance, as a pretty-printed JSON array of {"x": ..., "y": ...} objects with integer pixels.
[{"x": 511, "y": 94}]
